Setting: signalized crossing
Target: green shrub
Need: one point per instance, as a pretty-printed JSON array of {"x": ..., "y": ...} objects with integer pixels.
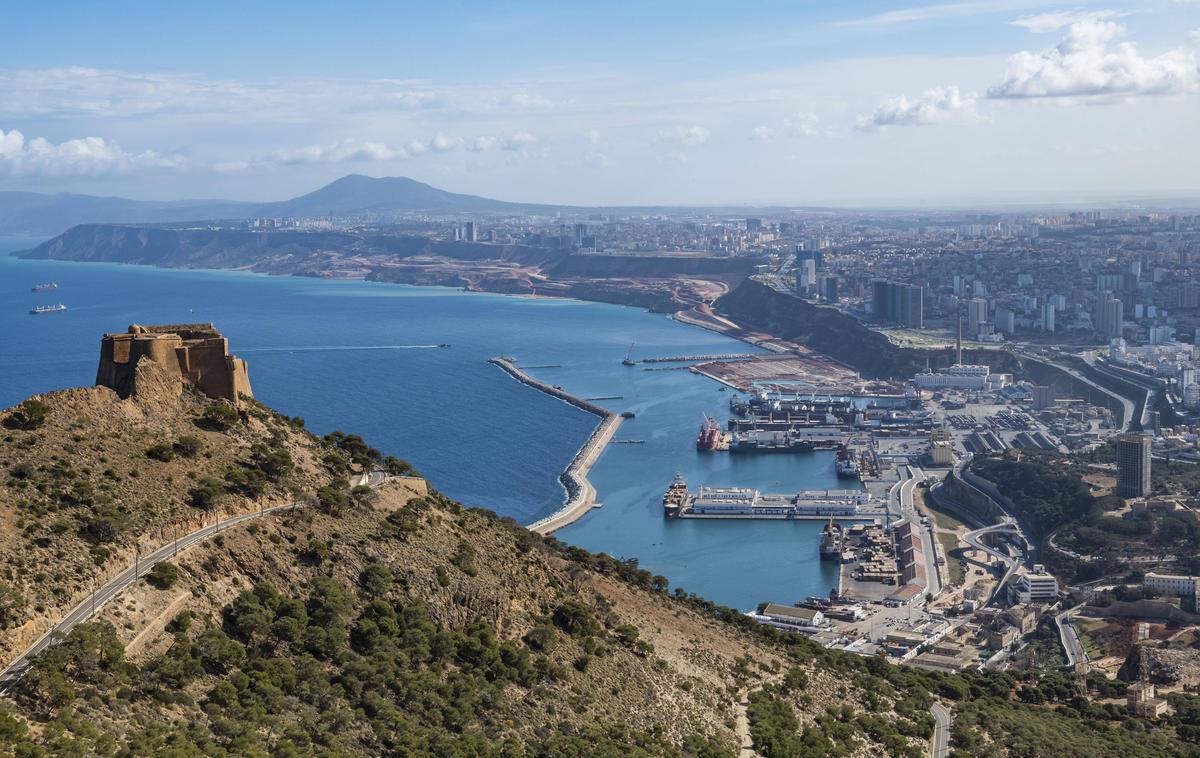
[
  {"x": 188, "y": 446},
  {"x": 28, "y": 415},
  {"x": 161, "y": 452},
  {"x": 163, "y": 575},
  {"x": 219, "y": 416},
  {"x": 206, "y": 494}
]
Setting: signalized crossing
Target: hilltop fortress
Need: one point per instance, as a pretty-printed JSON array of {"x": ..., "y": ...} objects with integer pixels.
[{"x": 198, "y": 352}]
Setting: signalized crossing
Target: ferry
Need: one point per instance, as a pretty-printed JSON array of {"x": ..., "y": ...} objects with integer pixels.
[
  {"x": 47, "y": 287},
  {"x": 39, "y": 309}
]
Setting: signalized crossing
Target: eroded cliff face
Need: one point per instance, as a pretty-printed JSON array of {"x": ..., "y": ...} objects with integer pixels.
[{"x": 754, "y": 305}]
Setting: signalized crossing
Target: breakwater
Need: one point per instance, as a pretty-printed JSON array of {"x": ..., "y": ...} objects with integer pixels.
[{"x": 581, "y": 495}]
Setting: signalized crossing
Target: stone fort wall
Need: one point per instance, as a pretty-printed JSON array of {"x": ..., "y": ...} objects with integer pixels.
[{"x": 197, "y": 351}]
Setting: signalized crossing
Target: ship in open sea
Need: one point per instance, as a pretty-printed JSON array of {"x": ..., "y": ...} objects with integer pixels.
[
  {"x": 47, "y": 287},
  {"x": 40, "y": 309}
]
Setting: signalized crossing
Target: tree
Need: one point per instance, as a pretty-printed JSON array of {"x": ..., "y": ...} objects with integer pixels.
[
  {"x": 163, "y": 575},
  {"x": 206, "y": 493},
  {"x": 12, "y": 603},
  {"x": 28, "y": 415},
  {"x": 219, "y": 416}
]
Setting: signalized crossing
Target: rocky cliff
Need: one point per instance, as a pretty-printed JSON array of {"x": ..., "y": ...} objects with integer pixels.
[{"x": 754, "y": 305}]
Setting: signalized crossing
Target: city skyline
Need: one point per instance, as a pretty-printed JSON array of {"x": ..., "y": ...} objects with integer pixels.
[{"x": 985, "y": 102}]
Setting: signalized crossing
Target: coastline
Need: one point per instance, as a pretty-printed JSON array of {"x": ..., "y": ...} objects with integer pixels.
[{"x": 581, "y": 495}]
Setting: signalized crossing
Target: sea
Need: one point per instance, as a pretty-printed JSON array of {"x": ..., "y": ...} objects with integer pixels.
[{"x": 365, "y": 357}]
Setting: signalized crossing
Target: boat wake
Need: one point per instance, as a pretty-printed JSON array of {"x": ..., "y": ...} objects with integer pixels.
[{"x": 332, "y": 348}]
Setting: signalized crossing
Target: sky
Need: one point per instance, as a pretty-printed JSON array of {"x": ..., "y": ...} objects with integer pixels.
[{"x": 652, "y": 103}]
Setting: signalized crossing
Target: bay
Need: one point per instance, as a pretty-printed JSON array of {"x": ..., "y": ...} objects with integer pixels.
[{"x": 363, "y": 357}]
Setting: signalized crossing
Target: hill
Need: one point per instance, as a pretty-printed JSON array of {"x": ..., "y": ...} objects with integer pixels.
[
  {"x": 393, "y": 621},
  {"x": 355, "y": 194},
  {"x": 34, "y": 214}
]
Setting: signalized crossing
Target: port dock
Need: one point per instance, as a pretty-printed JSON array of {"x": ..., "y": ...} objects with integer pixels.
[
  {"x": 581, "y": 495},
  {"x": 747, "y": 503}
]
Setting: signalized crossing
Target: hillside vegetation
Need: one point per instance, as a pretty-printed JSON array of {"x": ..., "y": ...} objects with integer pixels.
[{"x": 389, "y": 621}]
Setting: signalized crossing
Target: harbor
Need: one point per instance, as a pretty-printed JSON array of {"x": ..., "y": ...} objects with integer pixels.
[
  {"x": 581, "y": 495},
  {"x": 749, "y": 503}
]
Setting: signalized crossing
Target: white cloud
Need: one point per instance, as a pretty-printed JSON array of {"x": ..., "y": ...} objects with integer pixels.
[
  {"x": 1087, "y": 63},
  {"x": 482, "y": 144},
  {"x": 1051, "y": 22},
  {"x": 441, "y": 143},
  {"x": 687, "y": 135},
  {"x": 938, "y": 12},
  {"x": 345, "y": 151},
  {"x": 518, "y": 140},
  {"x": 797, "y": 125},
  {"x": 89, "y": 93},
  {"x": 941, "y": 105},
  {"x": 87, "y": 156},
  {"x": 802, "y": 125}
]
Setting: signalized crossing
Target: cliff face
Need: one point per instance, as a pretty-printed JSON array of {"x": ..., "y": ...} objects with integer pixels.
[
  {"x": 609, "y": 266},
  {"x": 754, "y": 305}
]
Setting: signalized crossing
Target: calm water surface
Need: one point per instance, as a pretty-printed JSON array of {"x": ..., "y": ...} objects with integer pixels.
[{"x": 362, "y": 357}]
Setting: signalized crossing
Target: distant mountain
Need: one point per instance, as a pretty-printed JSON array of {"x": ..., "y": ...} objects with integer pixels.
[
  {"x": 364, "y": 194},
  {"x": 33, "y": 214}
]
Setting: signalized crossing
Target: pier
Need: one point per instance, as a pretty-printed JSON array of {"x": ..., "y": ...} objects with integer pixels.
[
  {"x": 683, "y": 358},
  {"x": 581, "y": 495}
]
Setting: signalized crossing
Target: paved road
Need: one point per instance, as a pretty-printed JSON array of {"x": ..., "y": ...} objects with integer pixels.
[
  {"x": 908, "y": 510},
  {"x": 940, "y": 745},
  {"x": 975, "y": 540},
  {"x": 116, "y": 585},
  {"x": 1070, "y": 637}
]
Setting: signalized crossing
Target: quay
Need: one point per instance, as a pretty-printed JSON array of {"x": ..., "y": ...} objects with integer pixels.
[
  {"x": 581, "y": 495},
  {"x": 746, "y": 503},
  {"x": 683, "y": 358}
]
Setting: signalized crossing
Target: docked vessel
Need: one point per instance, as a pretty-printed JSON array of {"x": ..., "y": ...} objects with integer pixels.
[
  {"x": 629, "y": 361},
  {"x": 39, "y": 309},
  {"x": 787, "y": 441},
  {"x": 675, "y": 496},
  {"x": 710, "y": 437},
  {"x": 47, "y": 287},
  {"x": 832, "y": 541},
  {"x": 846, "y": 465}
]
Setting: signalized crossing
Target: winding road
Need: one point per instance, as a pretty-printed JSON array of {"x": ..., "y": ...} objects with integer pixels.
[
  {"x": 118, "y": 584},
  {"x": 940, "y": 746}
]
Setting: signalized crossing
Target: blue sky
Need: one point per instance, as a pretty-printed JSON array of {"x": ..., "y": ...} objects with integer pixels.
[{"x": 607, "y": 103}]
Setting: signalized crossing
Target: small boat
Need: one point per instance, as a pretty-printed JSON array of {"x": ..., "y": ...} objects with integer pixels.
[
  {"x": 39, "y": 309},
  {"x": 443, "y": 345},
  {"x": 629, "y": 361},
  {"x": 47, "y": 287}
]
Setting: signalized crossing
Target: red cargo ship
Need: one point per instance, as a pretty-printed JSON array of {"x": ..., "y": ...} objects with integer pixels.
[{"x": 710, "y": 436}]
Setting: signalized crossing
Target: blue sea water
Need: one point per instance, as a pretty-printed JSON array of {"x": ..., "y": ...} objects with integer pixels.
[{"x": 362, "y": 357}]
